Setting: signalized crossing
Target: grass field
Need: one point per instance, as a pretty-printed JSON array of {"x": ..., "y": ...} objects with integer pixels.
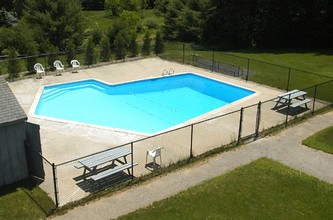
[
  {"x": 322, "y": 140},
  {"x": 24, "y": 201},
  {"x": 270, "y": 68},
  {"x": 261, "y": 190}
]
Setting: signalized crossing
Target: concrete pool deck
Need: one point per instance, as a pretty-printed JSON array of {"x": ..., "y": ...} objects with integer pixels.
[
  {"x": 85, "y": 140},
  {"x": 63, "y": 141}
]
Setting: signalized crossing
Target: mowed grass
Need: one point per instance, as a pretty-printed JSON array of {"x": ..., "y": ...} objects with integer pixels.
[
  {"x": 264, "y": 189},
  {"x": 270, "y": 68},
  {"x": 24, "y": 201},
  {"x": 321, "y": 140},
  {"x": 97, "y": 19}
]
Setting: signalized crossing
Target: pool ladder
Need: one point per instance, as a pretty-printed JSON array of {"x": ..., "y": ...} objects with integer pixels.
[{"x": 168, "y": 73}]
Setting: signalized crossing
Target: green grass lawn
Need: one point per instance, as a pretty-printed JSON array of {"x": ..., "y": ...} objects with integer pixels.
[
  {"x": 261, "y": 190},
  {"x": 24, "y": 201},
  {"x": 322, "y": 140},
  {"x": 97, "y": 19},
  {"x": 271, "y": 67}
]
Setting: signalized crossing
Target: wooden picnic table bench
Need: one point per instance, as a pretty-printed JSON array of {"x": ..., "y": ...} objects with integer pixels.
[
  {"x": 287, "y": 98},
  {"x": 116, "y": 154}
]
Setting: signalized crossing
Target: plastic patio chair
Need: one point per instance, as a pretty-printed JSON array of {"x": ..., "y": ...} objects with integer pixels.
[
  {"x": 59, "y": 67},
  {"x": 154, "y": 154},
  {"x": 75, "y": 65},
  {"x": 40, "y": 71}
]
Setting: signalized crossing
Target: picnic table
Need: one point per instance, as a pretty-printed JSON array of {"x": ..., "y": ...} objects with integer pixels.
[
  {"x": 286, "y": 99},
  {"x": 91, "y": 163}
]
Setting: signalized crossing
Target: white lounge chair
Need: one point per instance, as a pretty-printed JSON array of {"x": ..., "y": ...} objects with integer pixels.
[
  {"x": 59, "y": 67},
  {"x": 40, "y": 71},
  {"x": 154, "y": 154},
  {"x": 75, "y": 65}
]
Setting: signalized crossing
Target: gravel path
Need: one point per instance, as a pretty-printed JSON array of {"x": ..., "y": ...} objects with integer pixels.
[{"x": 284, "y": 147}]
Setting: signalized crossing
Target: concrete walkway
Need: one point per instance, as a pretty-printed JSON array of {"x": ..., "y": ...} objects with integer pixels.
[{"x": 284, "y": 147}]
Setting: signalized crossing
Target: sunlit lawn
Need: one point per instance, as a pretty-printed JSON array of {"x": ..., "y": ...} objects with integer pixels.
[
  {"x": 261, "y": 190},
  {"x": 270, "y": 68},
  {"x": 322, "y": 140}
]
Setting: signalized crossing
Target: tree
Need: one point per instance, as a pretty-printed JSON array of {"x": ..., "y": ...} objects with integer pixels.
[
  {"x": 120, "y": 46},
  {"x": 113, "y": 7},
  {"x": 105, "y": 49},
  {"x": 13, "y": 65},
  {"x": 133, "y": 46},
  {"x": 159, "y": 44},
  {"x": 70, "y": 51},
  {"x": 93, "y": 4},
  {"x": 32, "y": 58},
  {"x": 57, "y": 20},
  {"x": 19, "y": 7},
  {"x": 146, "y": 45},
  {"x": 97, "y": 36},
  {"x": 90, "y": 54},
  {"x": 116, "y": 7},
  {"x": 53, "y": 55},
  {"x": 6, "y": 18}
]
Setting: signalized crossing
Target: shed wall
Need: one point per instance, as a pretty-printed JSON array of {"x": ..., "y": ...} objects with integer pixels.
[{"x": 13, "y": 162}]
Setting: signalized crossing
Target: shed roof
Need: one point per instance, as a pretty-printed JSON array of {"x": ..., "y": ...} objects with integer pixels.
[{"x": 10, "y": 109}]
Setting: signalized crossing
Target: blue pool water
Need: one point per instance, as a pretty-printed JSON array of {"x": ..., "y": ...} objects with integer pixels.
[{"x": 147, "y": 106}]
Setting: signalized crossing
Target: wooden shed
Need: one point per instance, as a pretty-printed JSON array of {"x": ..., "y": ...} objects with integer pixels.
[{"x": 13, "y": 160}]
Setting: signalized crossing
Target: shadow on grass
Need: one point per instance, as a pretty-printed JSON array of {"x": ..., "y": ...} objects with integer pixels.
[{"x": 32, "y": 191}]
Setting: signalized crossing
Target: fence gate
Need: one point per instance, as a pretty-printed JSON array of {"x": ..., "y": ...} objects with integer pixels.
[{"x": 34, "y": 151}]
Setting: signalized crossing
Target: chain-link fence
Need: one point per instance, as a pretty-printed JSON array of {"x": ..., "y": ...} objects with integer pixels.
[
  {"x": 67, "y": 182},
  {"x": 186, "y": 142},
  {"x": 43, "y": 172},
  {"x": 277, "y": 76}
]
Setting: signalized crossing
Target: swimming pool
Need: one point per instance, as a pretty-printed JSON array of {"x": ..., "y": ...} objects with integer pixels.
[{"x": 145, "y": 106}]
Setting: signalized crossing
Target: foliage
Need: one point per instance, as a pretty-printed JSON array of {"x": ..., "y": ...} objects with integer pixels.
[
  {"x": 90, "y": 53},
  {"x": 70, "y": 51},
  {"x": 32, "y": 59},
  {"x": 93, "y": 4},
  {"x": 97, "y": 36},
  {"x": 53, "y": 55},
  {"x": 249, "y": 23},
  {"x": 19, "y": 37},
  {"x": 120, "y": 45},
  {"x": 57, "y": 20},
  {"x": 133, "y": 46},
  {"x": 6, "y": 18},
  {"x": 116, "y": 7},
  {"x": 321, "y": 140},
  {"x": 146, "y": 47},
  {"x": 105, "y": 49},
  {"x": 270, "y": 24},
  {"x": 131, "y": 19},
  {"x": 260, "y": 190},
  {"x": 13, "y": 65},
  {"x": 184, "y": 20},
  {"x": 159, "y": 44}
]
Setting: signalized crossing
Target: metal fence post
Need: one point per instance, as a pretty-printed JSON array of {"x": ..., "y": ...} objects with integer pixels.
[
  {"x": 191, "y": 143},
  {"x": 55, "y": 184},
  {"x": 288, "y": 111},
  {"x": 248, "y": 70},
  {"x": 213, "y": 60},
  {"x": 240, "y": 125},
  {"x": 132, "y": 152},
  {"x": 258, "y": 119},
  {"x": 183, "y": 53},
  {"x": 288, "y": 82},
  {"x": 314, "y": 99}
]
